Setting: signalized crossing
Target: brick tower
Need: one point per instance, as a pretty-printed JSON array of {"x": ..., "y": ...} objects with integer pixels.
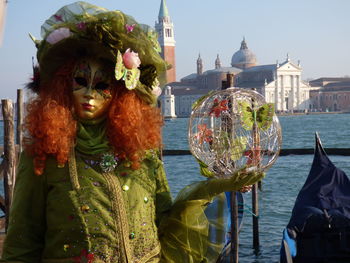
[{"x": 165, "y": 30}]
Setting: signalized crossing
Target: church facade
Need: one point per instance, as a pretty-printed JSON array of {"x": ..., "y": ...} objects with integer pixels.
[{"x": 279, "y": 83}]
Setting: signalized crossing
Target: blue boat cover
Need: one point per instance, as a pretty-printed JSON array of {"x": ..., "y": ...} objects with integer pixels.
[{"x": 319, "y": 228}]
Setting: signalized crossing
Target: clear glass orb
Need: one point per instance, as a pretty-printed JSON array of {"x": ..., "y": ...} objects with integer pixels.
[{"x": 234, "y": 129}]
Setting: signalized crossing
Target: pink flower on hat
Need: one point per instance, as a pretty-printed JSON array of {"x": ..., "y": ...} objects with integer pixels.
[
  {"x": 81, "y": 25},
  {"x": 131, "y": 59},
  {"x": 58, "y": 18},
  {"x": 129, "y": 28},
  {"x": 58, "y": 35}
]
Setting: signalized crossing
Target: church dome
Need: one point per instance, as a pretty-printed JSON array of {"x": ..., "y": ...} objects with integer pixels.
[{"x": 243, "y": 58}]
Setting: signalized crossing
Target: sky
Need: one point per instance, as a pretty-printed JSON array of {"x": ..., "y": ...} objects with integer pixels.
[{"x": 316, "y": 32}]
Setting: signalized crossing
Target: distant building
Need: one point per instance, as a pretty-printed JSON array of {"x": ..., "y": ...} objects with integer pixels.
[
  {"x": 168, "y": 103},
  {"x": 278, "y": 83},
  {"x": 185, "y": 98},
  {"x": 330, "y": 94},
  {"x": 195, "y": 85},
  {"x": 243, "y": 58},
  {"x": 166, "y": 38}
]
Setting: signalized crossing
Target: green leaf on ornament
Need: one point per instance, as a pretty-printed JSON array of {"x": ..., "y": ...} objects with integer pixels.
[
  {"x": 203, "y": 168},
  {"x": 262, "y": 116},
  {"x": 238, "y": 147},
  {"x": 220, "y": 143},
  {"x": 201, "y": 99}
]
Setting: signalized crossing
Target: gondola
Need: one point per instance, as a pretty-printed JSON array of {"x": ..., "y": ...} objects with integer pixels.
[{"x": 319, "y": 227}]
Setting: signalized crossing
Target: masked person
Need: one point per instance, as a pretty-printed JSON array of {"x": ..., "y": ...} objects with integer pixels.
[{"x": 90, "y": 186}]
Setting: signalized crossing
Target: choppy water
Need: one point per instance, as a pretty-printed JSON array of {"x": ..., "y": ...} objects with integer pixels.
[{"x": 282, "y": 183}]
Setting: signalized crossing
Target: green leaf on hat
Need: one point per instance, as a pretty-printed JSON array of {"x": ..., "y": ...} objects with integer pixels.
[
  {"x": 119, "y": 67},
  {"x": 131, "y": 78}
]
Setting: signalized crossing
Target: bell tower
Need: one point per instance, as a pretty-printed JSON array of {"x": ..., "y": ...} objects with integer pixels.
[
  {"x": 217, "y": 62},
  {"x": 166, "y": 38},
  {"x": 199, "y": 65}
]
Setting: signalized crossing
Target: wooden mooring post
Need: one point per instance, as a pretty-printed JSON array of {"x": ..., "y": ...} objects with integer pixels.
[
  {"x": 234, "y": 229},
  {"x": 19, "y": 119},
  {"x": 9, "y": 159},
  {"x": 12, "y": 146},
  {"x": 255, "y": 197},
  {"x": 255, "y": 217},
  {"x": 234, "y": 255}
]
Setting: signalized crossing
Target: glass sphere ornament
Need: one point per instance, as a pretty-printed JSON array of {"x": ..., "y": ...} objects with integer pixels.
[{"x": 234, "y": 130}]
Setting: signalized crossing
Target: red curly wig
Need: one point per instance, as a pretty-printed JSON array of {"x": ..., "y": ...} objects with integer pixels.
[{"x": 132, "y": 125}]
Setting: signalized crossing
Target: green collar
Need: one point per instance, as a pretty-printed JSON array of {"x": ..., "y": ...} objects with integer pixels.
[{"x": 91, "y": 137}]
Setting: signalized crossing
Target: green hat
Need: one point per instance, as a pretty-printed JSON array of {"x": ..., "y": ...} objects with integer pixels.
[{"x": 84, "y": 30}]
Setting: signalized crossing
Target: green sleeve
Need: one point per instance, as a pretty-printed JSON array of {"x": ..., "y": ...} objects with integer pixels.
[
  {"x": 163, "y": 196},
  {"x": 26, "y": 232},
  {"x": 186, "y": 232},
  {"x": 207, "y": 190}
]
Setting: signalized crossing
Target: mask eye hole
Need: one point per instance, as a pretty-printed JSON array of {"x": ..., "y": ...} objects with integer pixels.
[
  {"x": 81, "y": 81},
  {"x": 101, "y": 86}
]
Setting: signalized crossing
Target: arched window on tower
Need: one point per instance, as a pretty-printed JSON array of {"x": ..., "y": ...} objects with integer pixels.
[{"x": 168, "y": 32}]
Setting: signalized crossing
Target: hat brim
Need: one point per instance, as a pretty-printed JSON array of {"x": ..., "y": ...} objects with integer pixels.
[{"x": 68, "y": 50}]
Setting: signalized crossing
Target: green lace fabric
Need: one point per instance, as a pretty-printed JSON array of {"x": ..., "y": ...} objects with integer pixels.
[{"x": 194, "y": 230}]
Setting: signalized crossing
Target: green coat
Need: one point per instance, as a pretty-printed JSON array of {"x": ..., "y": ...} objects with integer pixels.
[
  {"x": 80, "y": 214},
  {"x": 111, "y": 215}
]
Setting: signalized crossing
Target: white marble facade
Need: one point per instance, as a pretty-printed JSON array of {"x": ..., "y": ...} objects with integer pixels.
[{"x": 287, "y": 91}]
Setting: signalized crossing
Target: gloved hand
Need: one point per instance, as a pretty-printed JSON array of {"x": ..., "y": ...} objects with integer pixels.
[{"x": 214, "y": 186}]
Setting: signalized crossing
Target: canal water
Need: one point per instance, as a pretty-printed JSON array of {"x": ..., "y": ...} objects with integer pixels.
[{"x": 282, "y": 182}]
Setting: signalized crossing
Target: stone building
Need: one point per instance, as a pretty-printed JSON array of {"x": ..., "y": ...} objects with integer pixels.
[
  {"x": 185, "y": 98},
  {"x": 330, "y": 94},
  {"x": 279, "y": 83},
  {"x": 195, "y": 85},
  {"x": 243, "y": 58}
]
